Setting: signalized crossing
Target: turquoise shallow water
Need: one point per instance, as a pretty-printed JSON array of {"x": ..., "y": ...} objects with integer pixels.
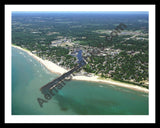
[{"x": 75, "y": 98}]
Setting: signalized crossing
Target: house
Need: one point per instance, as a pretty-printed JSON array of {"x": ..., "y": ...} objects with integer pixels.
[{"x": 34, "y": 52}]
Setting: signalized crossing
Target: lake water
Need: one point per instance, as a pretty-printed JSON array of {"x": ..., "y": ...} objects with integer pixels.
[{"x": 75, "y": 98}]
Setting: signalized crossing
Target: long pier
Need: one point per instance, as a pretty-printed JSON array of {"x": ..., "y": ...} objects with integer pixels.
[{"x": 46, "y": 88}]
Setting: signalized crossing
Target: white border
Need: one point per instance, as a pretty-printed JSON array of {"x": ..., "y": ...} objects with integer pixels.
[{"x": 74, "y": 118}]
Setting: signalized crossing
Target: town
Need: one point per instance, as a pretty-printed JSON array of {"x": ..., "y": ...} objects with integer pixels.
[
  {"x": 102, "y": 62},
  {"x": 124, "y": 58}
]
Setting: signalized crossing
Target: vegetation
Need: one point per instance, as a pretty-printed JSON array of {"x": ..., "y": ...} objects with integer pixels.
[{"x": 124, "y": 58}]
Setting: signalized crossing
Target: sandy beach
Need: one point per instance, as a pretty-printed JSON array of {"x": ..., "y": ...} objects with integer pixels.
[
  {"x": 48, "y": 64},
  {"x": 60, "y": 70}
]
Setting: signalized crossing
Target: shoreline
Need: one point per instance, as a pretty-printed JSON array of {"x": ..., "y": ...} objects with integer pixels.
[
  {"x": 48, "y": 64},
  {"x": 52, "y": 67}
]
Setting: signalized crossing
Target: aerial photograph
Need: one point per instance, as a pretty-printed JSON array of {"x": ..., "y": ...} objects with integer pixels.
[{"x": 80, "y": 63}]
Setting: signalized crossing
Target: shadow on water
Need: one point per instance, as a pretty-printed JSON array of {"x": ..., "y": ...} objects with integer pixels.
[
  {"x": 88, "y": 106},
  {"x": 93, "y": 100}
]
